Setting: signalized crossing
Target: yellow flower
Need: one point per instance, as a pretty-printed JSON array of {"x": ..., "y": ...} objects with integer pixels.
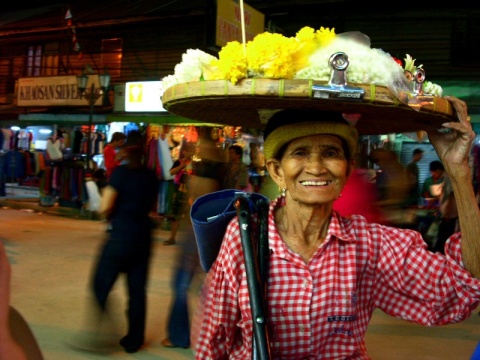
[
  {"x": 231, "y": 62},
  {"x": 269, "y": 55},
  {"x": 306, "y": 34},
  {"x": 325, "y": 36},
  {"x": 309, "y": 41}
]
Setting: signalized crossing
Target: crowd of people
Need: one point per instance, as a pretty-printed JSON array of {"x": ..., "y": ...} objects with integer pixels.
[{"x": 127, "y": 202}]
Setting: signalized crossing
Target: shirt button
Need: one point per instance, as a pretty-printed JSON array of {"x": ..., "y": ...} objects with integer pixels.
[
  {"x": 305, "y": 283},
  {"x": 302, "y": 328}
]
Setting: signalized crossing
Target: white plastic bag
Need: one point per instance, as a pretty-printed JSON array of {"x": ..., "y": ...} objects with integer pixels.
[{"x": 94, "y": 197}]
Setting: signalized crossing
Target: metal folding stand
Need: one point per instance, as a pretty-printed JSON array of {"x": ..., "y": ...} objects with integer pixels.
[{"x": 255, "y": 250}]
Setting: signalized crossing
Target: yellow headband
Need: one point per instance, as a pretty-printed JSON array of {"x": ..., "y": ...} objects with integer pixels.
[{"x": 288, "y": 132}]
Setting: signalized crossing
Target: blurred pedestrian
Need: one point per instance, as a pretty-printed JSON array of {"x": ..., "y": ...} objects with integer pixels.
[
  {"x": 110, "y": 152},
  {"x": 205, "y": 178},
  {"x": 236, "y": 176},
  {"x": 166, "y": 184},
  {"x": 127, "y": 202},
  {"x": 208, "y": 163},
  {"x": 428, "y": 223},
  {"x": 182, "y": 168},
  {"x": 448, "y": 223},
  {"x": 393, "y": 184},
  {"x": 359, "y": 197},
  {"x": 414, "y": 172},
  {"x": 257, "y": 167},
  {"x": 431, "y": 185}
]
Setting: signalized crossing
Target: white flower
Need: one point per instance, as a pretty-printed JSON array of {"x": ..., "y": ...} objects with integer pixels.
[
  {"x": 169, "y": 81},
  {"x": 430, "y": 88},
  {"x": 366, "y": 65},
  {"x": 190, "y": 69}
]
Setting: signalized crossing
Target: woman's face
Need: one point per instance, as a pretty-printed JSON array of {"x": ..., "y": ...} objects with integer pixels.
[{"x": 313, "y": 169}]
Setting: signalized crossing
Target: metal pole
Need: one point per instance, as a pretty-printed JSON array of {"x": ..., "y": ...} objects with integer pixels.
[
  {"x": 91, "y": 100},
  {"x": 262, "y": 245},
  {"x": 261, "y": 343}
]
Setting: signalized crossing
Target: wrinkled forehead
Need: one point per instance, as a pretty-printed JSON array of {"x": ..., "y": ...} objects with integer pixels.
[
  {"x": 315, "y": 143},
  {"x": 318, "y": 140}
]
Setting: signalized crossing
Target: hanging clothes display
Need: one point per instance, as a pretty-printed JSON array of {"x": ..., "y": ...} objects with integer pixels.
[
  {"x": 63, "y": 180},
  {"x": 7, "y": 138},
  {"x": 2, "y": 175}
]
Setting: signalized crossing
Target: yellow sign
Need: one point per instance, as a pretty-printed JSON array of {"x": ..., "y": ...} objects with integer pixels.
[
  {"x": 229, "y": 25},
  {"x": 144, "y": 96}
]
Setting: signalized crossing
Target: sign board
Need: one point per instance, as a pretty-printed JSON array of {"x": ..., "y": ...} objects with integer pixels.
[
  {"x": 53, "y": 91},
  {"x": 229, "y": 25},
  {"x": 143, "y": 96}
]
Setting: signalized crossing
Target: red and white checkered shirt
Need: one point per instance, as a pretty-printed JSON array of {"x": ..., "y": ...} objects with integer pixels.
[{"x": 321, "y": 310}]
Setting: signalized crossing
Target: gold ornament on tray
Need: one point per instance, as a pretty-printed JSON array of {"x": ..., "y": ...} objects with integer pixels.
[{"x": 319, "y": 69}]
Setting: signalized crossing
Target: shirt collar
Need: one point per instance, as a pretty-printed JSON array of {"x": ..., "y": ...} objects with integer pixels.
[{"x": 339, "y": 226}]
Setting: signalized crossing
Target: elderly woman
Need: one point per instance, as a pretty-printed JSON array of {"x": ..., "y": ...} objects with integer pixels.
[{"x": 328, "y": 273}]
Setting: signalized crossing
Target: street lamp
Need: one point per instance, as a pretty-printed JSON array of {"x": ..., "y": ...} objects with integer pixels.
[{"x": 92, "y": 94}]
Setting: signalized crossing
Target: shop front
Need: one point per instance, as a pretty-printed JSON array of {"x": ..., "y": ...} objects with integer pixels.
[{"x": 44, "y": 149}]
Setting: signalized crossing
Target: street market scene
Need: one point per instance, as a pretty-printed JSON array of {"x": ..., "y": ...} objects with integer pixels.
[{"x": 272, "y": 181}]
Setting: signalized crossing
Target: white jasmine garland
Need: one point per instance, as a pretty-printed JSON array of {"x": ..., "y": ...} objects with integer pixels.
[
  {"x": 366, "y": 65},
  {"x": 190, "y": 69}
]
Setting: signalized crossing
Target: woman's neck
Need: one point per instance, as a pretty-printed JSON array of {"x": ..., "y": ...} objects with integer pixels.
[{"x": 303, "y": 228}]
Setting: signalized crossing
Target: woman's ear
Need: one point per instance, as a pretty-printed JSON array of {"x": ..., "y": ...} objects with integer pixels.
[
  {"x": 275, "y": 171},
  {"x": 351, "y": 166}
]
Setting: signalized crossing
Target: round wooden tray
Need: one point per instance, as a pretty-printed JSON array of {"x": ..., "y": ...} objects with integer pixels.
[{"x": 219, "y": 101}]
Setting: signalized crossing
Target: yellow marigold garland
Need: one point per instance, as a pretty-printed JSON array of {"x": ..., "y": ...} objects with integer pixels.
[
  {"x": 231, "y": 63},
  {"x": 269, "y": 55}
]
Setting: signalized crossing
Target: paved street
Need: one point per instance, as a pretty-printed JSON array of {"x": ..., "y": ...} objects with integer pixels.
[{"x": 51, "y": 258}]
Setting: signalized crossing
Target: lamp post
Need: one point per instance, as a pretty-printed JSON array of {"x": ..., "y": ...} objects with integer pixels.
[{"x": 92, "y": 94}]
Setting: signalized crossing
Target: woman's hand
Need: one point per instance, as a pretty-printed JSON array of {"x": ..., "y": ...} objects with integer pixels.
[{"x": 453, "y": 148}]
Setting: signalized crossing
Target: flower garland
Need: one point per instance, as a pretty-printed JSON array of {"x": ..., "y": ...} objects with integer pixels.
[{"x": 305, "y": 56}]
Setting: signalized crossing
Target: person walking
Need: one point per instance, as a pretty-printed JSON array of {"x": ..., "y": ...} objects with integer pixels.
[
  {"x": 414, "y": 172},
  {"x": 110, "y": 151},
  {"x": 236, "y": 176},
  {"x": 127, "y": 201},
  {"x": 185, "y": 268},
  {"x": 205, "y": 178},
  {"x": 393, "y": 185},
  {"x": 430, "y": 187},
  {"x": 181, "y": 170}
]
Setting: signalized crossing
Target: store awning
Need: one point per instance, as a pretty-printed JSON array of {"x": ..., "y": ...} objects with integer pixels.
[
  {"x": 155, "y": 118},
  {"x": 61, "y": 119}
]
